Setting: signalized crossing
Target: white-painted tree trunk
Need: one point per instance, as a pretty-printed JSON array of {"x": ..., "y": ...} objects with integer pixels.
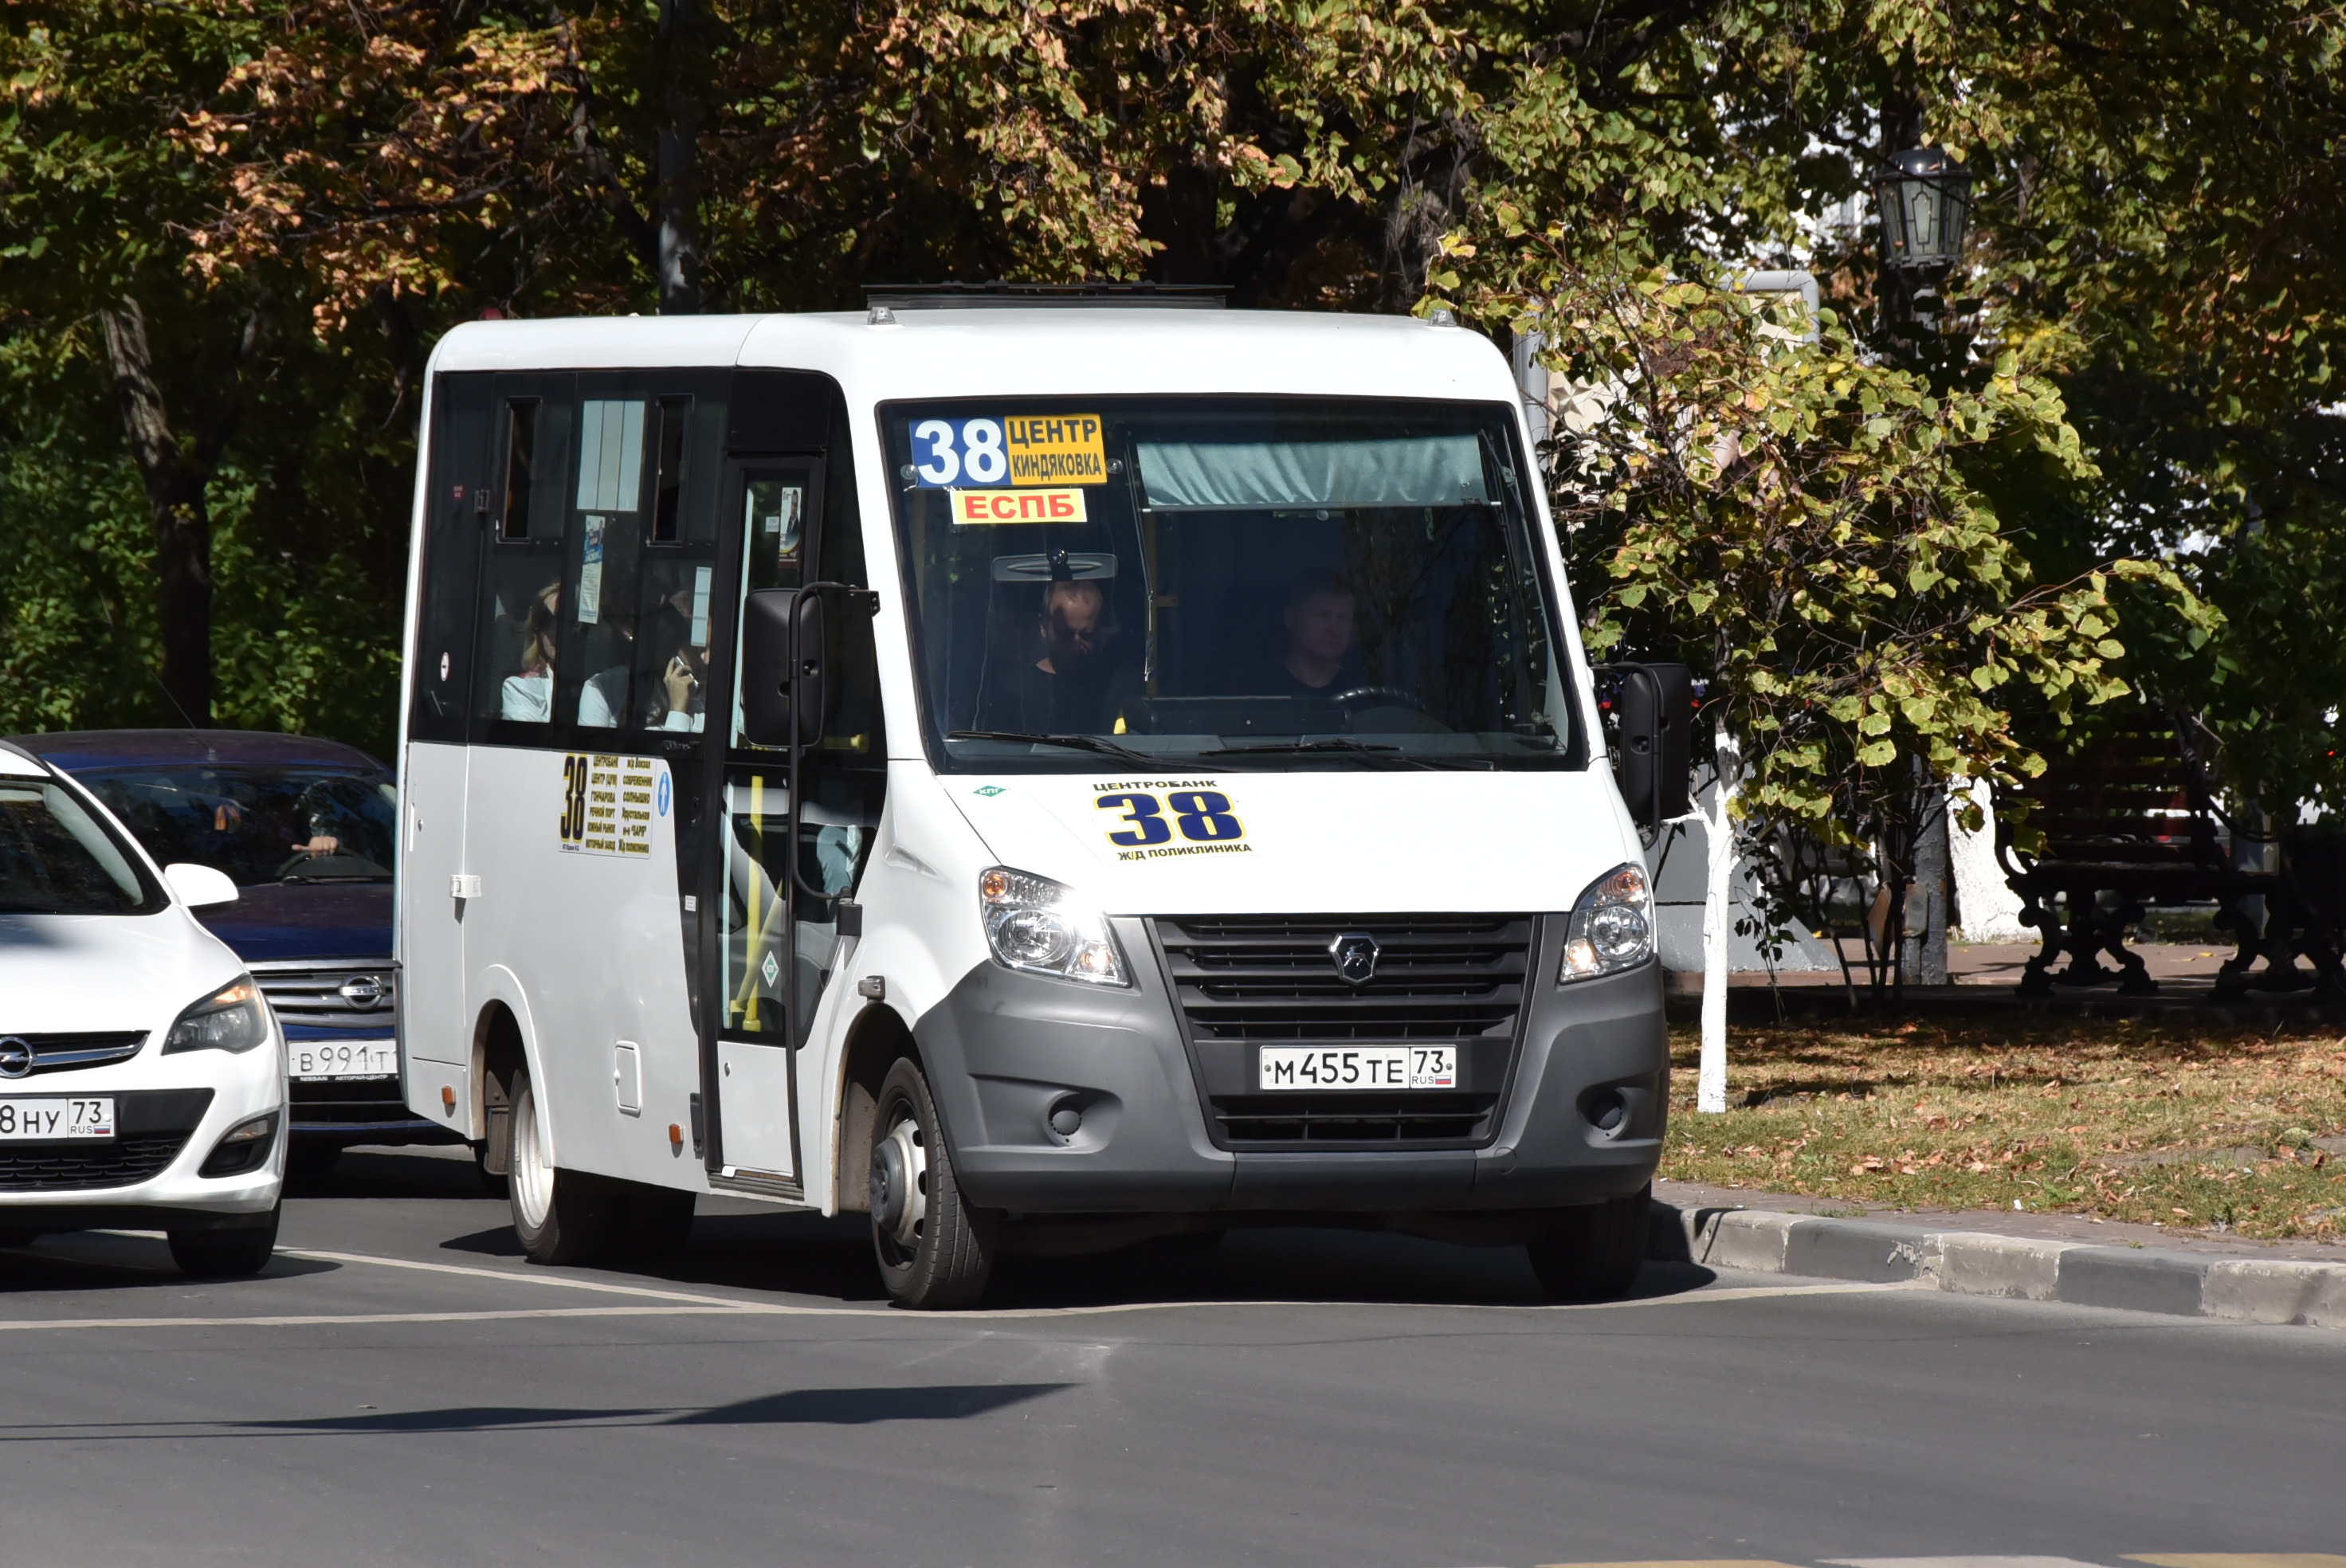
[{"x": 1710, "y": 1085}]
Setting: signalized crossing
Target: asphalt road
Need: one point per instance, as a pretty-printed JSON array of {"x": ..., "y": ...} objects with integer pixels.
[{"x": 400, "y": 1387}]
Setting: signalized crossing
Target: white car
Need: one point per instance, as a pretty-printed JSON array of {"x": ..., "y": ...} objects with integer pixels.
[{"x": 142, "y": 1075}]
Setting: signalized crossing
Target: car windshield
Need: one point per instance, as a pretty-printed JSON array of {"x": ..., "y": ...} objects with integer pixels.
[
  {"x": 56, "y": 858},
  {"x": 259, "y": 824},
  {"x": 1317, "y": 581}
]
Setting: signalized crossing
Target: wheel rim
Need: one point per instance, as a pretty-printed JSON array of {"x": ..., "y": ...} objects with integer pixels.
[
  {"x": 900, "y": 1185},
  {"x": 532, "y": 1171}
]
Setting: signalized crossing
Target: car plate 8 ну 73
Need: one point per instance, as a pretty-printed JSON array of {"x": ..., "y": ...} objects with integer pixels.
[
  {"x": 82, "y": 1116},
  {"x": 309, "y": 1060},
  {"x": 1357, "y": 1067}
]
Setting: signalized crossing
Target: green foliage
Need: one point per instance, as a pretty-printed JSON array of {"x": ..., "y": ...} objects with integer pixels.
[{"x": 1799, "y": 519}]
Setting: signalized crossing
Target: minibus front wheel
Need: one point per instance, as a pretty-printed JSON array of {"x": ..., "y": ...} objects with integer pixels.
[
  {"x": 934, "y": 1250},
  {"x": 1592, "y": 1252}
]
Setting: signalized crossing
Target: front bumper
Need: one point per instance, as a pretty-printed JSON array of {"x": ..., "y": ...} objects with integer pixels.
[
  {"x": 1004, "y": 1051},
  {"x": 176, "y": 1126}
]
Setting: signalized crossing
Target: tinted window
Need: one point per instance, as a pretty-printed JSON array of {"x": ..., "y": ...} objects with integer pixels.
[
  {"x": 1332, "y": 581},
  {"x": 260, "y": 824},
  {"x": 56, "y": 859}
]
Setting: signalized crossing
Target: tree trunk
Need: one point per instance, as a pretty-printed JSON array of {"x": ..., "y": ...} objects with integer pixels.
[
  {"x": 174, "y": 501},
  {"x": 676, "y": 200}
]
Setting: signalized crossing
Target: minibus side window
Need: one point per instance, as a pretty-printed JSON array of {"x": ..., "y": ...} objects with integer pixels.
[
  {"x": 517, "y": 648},
  {"x": 604, "y": 552},
  {"x": 457, "y": 505}
]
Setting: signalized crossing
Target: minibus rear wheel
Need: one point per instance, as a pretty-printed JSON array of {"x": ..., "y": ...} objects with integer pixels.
[
  {"x": 559, "y": 1217},
  {"x": 934, "y": 1250},
  {"x": 1592, "y": 1252}
]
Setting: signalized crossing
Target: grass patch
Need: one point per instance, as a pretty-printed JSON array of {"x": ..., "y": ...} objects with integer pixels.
[{"x": 2232, "y": 1129}]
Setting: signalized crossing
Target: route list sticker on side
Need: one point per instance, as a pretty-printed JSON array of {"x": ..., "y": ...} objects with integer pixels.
[{"x": 608, "y": 802}]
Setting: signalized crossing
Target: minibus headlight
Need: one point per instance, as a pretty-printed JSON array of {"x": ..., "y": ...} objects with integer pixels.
[
  {"x": 1612, "y": 926},
  {"x": 1031, "y": 923},
  {"x": 234, "y": 1019}
]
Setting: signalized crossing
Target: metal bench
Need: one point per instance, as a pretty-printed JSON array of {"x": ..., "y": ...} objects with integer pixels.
[{"x": 2132, "y": 818}]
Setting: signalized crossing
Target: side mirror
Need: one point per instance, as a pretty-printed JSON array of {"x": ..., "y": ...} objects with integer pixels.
[
  {"x": 765, "y": 670},
  {"x": 806, "y": 668},
  {"x": 198, "y": 887},
  {"x": 1656, "y": 758}
]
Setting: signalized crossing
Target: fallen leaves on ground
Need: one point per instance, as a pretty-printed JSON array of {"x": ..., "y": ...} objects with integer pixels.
[{"x": 2233, "y": 1129}]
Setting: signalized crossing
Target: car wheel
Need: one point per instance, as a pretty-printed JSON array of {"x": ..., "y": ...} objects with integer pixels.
[
  {"x": 226, "y": 1254},
  {"x": 558, "y": 1214},
  {"x": 1592, "y": 1253},
  {"x": 16, "y": 1238},
  {"x": 934, "y": 1251}
]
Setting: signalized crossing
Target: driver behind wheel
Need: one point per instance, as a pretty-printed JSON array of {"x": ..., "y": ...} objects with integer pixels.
[{"x": 1320, "y": 660}]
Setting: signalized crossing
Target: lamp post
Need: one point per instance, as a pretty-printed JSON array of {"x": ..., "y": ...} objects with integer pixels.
[
  {"x": 1925, "y": 198},
  {"x": 1925, "y": 201}
]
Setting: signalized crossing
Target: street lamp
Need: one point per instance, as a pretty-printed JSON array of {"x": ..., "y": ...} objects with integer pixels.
[{"x": 1925, "y": 201}]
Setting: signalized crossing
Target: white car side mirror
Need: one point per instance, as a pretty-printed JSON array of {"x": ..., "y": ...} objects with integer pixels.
[{"x": 198, "y": 887}]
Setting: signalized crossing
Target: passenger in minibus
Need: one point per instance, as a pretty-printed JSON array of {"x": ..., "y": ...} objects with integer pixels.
[
  {"x": 1321, "y": 659},
  {"x": 527, "y": 697},
  {"x": 680, "y": 667},
  {"x": 1071, "y": 687}
]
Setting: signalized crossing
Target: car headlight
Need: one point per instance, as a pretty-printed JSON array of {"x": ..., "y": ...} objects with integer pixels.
[
  {"x": 1031, "y": 923},
  {"x": 1612, "y": 926},
  {"x": 234, "y": 1019}
]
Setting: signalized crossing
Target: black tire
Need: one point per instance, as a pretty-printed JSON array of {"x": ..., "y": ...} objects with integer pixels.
[
  {"x": 653, "y": 1226},
  {"x": 934, "y": 1251},
  {"x": 1593, "y": 1253},
  {"x": 226, "y": 1254},
  {"x": 306, "y": 1162},
  {"x": 559, "y": 1216},
  {"x": 17, "y": 1238}
]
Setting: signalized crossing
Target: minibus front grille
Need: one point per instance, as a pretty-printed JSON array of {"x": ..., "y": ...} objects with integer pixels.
[
  {"x": 1428, "y": 1116},
  {"x": 1247, "y": 981},
  {"x": 124, "y": 1161},
  {"x": 332, "y": 996}
]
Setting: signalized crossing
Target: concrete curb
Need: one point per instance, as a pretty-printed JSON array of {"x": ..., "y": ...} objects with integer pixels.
[{"x": 1974, "y": 1262}]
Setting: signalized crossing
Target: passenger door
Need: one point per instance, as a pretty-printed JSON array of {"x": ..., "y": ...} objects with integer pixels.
[{"x": 753, "y": 989}]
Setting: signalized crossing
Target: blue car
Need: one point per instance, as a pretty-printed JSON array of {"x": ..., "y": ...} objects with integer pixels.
[{"x": 308, "y": 830}]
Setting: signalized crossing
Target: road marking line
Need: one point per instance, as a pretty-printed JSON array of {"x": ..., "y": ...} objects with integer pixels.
[
  {"x": 1958, "y": 1563},
  {"x": 686, "y": 1304},
  {"x": 315, "y": 1320},
  {"x": 517, "y": 1278},
  {"x": 1740, "y": 1293},
  {"x": 2245, "y": 1560},
  {"x": 1679, "y": 1562}
]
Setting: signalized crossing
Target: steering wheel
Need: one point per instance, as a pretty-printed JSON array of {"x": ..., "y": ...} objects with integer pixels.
[{"x": 1361, "y": 694}]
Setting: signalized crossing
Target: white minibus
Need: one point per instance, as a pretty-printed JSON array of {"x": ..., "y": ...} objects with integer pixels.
[{"x": 1047, "y": 770}]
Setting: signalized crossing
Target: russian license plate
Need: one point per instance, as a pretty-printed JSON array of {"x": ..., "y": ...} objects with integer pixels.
[
  {"x": 53, "y": 1121},
  {"x": 1357, "y": 1067},
  {"x": 313, "y": 1060}
]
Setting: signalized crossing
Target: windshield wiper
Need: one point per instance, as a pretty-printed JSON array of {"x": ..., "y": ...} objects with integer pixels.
[
  {"x": 1390, "y": 756},
  {"x": 1073, "y": 742}
]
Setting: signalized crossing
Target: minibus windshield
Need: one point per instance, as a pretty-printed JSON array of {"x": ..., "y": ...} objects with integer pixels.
[{"x": 1112, "y": 583}]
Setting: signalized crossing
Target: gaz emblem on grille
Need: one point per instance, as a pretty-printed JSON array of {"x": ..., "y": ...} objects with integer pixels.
[
  {"x": 16, "y": 1058},
  {"x": 1355, "y": 953},
  {"x": 363, "y": 992}
]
